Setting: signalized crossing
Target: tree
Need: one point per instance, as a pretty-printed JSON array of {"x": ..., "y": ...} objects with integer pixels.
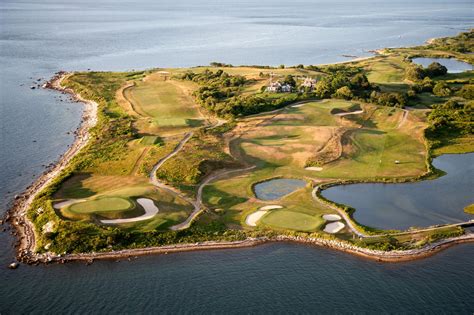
[
  {"x": 436, "y": 69},
  {"x": 323, "y": 89},
  {"x": 360, "y": 81},
  {"x": 467, "y": 91},
  {"x": 289, "y": 79},
  {"x": 441, "y": 89},
  {"x": 344, "y": 93},
  {"x": 414, "y": 73}
]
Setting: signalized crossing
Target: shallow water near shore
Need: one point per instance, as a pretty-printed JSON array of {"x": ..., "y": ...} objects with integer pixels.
[
  {"x": 424, "y": 203},
  {"x": 40, "y": 38}
]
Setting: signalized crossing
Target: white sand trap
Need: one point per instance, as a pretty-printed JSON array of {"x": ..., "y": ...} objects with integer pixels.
[
  {"x": 334, "y": 227},
  {"x": 332, "y": 217},
  {"x": 299, "y": 105},
  {"x": 270, "y": 207},
  {"x": 253, "y": 218},
  {"x": 350, "y": 113},
  {"x": 150, "y": 211},
  {"x": 314, "y": 168},
  {"x": 66, "y": 203}
]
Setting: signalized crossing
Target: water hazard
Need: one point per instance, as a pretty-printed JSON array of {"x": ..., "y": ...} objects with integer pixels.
[
  {"x": 453, "y": 65},
  {"x": 277, "y": 188},
  {"x": 426, "y": 203}
]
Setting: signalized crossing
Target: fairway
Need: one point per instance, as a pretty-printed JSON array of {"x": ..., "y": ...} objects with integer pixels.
[
  {"x": 101, "y": 205},
  {"x": 164, "y": 104},
  {"x": 291, "y": 220}
]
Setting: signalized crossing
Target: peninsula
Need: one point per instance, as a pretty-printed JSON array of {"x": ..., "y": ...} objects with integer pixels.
[{"x": 223, "y": 156}]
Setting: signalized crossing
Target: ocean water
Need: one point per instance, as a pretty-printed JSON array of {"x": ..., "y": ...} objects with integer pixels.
[{"x": 40, "y": 37}]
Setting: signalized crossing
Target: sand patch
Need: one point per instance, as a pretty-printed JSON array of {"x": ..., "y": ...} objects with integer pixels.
[
  {"x": 314, "y": 168},
  {"x": 253, "y": 218},
  {"x": 332, "y": 217},
  {"x": 298, "y": 105},
  {"x": 271, "y": 207},
  {"x": 334, "y": 227},
  {"x": 48, "y": 227},
  {"x": 350, "y": 113},
  {"x": 150, "y": 211}
]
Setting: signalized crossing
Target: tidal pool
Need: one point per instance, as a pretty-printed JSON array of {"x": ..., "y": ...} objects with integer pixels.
[
  {"x": 453, "y": 65},
  {"x": 276, "y": 188},
  {"x": 425, "y": 203}
]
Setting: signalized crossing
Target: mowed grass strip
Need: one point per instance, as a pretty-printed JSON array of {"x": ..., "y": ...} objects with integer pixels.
[
  {"x": 166, "y": 102},
  {"x": 102, "y": 205},
  {"x": 292, "y": 220}
]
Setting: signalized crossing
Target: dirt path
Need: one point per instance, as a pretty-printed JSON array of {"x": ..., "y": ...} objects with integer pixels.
[
  {"x": 198, "y": 206},
  {"x": 342, "y": 213},
  {"x": 156, "y": 182},
  {"x": 139, "y": 161},
  {"x": 404, "y": 118},
  {"x": 350, "y": 113}
]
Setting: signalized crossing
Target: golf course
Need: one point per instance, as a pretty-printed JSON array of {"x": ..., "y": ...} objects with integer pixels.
[{"x": 227, "y": 153}]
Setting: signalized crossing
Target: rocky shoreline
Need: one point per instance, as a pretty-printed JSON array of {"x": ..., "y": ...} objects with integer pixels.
[
  {"x": 377, "y": 255},
  {"x": 17, "y": 215}
]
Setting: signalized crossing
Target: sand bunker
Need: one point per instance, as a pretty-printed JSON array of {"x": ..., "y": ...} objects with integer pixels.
[
  {"x": 253, "y": 218},
  {"x": 66, "y": 203},
  {"x": 332, "y": 217},
  {"x": 271, "y": 207},
  {"x": 150, "y": 211},
  {"x": 349, "y": 113},
  {"x": 296, "y": 106},
  {"x": 334, "y": 227},
  {"x": 314, "y": 168}
]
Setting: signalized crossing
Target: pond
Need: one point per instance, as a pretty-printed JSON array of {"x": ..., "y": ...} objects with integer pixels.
[
  {"x": 425, "y": 203},
  {"x": 277, "y": 188},
  {"x": 453, "y": 65}
]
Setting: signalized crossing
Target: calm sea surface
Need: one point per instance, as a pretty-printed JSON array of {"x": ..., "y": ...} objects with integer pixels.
[{"x": 38, "y": 38}]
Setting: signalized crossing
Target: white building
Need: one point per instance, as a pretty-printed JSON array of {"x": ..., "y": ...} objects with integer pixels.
[
  {"x": 309, "y": 83},
  {"x": 277, "y": 87}
]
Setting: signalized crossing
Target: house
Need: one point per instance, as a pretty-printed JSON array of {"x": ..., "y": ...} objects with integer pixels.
[
  {"x": 274, "y": 87},
  {"x": 277, "y": 87},
  {"x": 308, "y": 83},
  {"x": 286, "y": 88}
]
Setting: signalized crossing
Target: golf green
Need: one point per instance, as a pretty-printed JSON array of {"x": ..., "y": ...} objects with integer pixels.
[
  {"x": 102, "y": 205},
  {"x": 291, "y": 220}
]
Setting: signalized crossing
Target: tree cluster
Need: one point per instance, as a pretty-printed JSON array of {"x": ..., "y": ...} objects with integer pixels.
[{"x": 416, "y": 72}]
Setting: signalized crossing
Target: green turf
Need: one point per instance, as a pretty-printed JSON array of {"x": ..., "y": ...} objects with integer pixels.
[
  {"x": 291, "y": 220},
  {"x": 102, "y": 205}
]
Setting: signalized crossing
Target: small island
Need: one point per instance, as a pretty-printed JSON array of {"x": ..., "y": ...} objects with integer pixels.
[{"x": 223, "y": 156}]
